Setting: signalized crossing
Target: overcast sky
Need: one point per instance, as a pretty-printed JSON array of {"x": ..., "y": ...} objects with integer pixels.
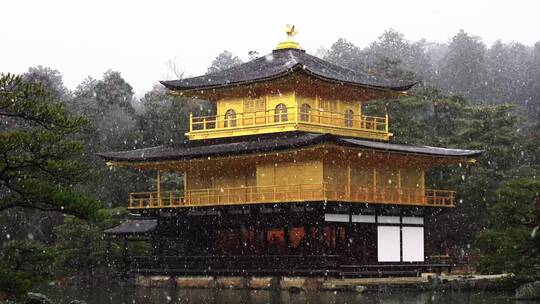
[{"x": 138, "y": 38}]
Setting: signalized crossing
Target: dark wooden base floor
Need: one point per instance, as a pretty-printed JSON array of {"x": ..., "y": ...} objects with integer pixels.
[{"x": 268, "y": 265}]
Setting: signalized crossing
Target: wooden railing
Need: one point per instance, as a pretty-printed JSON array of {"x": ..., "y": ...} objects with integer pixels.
[
  {"x": 291, "y": 193},
  {"x": 291, "y": 115},
  {"x": 332, "y": 265}
]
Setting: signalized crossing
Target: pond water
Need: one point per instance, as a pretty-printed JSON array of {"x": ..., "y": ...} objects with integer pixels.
[{"x": 159, "y": 295}]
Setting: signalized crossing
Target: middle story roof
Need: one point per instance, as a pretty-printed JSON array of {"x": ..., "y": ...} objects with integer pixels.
[{"x": 270, "y": 143}]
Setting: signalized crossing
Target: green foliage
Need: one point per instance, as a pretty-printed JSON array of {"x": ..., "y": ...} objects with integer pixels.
[
  {"x": 50, "y": 80},
  {"x": 39, "y": 170},
  {"x": 83, "y": 250},
  {"x": 510, "y": 243},
  {"x": 164, "y": 117},
  {"x": 39, "y": 165},
  {"x": 463, "y": 67},
  {"x": 114, "y": 91},
  {"x": 29, "y": 257},
  {"x": 502, "y": 73},
  {"x": 429, "y": 117},
  {"x": 223, "y": 61},
  {"x": 81, "y": 247},
  {"x": 113, "y": 126},
  {"x": 15, "y": 283},
  {"x": 344, "y": 53},
  {"x": 23, "y": 264}
]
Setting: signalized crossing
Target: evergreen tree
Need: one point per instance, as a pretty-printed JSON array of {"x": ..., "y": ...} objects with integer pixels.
[
  {"x": 108, "y": 105},
  {"x": 39, "y": 166},
  {"x": 511, "y": 243},
  {"x": 463, "y": 68},
  {"x": 532, "y": 92},
  {"x": 346, "y": 54},
  {"x": 223, "y": 61},
  {"x": 50, "y": 80},
  {"x": 164, "y": 117}
]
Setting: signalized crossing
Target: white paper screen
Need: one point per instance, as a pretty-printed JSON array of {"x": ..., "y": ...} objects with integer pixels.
[
  {"x": 333, "y": 217},
  {"x": 388, "y": 219},
  {"x": 360, "y": 218},
  {"x": 413, "y": 220},
  {"x": 388, "y": 244},
  {"x": 413, "y": 244}
]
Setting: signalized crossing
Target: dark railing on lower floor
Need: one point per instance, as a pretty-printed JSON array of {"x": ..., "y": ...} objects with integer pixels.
[
  {"x": 235, "y": 265},
  {"x": 307, "y": 265}
]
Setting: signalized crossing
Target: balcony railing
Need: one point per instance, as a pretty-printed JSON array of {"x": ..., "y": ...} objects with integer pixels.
[
  {"x": 291, "y": 193},
  {"x": 292, "y": 116}
]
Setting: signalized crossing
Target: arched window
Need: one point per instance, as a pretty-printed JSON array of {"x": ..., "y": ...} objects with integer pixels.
[
  {"x": 230, "y": 118},
  {"x": 349, "y": 116},
  {"x": 280, "y": 113},
  {"x": 305, "y": 111}
]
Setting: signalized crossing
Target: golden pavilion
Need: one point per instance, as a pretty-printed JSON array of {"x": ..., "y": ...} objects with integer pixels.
[{"x": 288, "y": 177}]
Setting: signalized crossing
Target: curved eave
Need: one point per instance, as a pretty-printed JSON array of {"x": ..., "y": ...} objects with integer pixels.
[
  {"x": 232, "y": 149},
  {"x": 296, "y": 68},
  {"x": 119, "y": 158}
]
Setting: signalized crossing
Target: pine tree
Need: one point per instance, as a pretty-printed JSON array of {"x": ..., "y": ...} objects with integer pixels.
[{"x": 38, "y": 165}]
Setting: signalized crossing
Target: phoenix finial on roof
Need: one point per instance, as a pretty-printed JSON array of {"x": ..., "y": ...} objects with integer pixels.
[{"x": 290, "y": 30}]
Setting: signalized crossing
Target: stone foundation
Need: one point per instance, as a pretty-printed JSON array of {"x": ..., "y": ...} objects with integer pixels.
[
  {"x": 287, "y": 283},
  {"x": 232, "y": 282},
  {"x": 263, "y": 283},
  {"x": 298, "y": 284},
  {"x": 154, "y": 281},
  {"x": 196, "y": 282}
]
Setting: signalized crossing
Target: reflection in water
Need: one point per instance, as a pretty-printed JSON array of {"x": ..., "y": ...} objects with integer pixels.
[{"x": 134, "y": 295}]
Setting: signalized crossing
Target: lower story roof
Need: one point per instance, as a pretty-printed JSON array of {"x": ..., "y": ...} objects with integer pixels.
[
  {"x": 133, "y": 227},
  {"x": 269, "y": 143}
]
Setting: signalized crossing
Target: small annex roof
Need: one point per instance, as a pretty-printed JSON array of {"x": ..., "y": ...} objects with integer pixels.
[
  {"x": 134, "y": 226},
  {"x": 280, "y": 63},
  {"x": 269, "y": 143}
]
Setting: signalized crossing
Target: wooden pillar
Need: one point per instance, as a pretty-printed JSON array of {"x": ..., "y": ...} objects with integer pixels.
[
  {"x": 287, "y": 238},
  {"x": 423, "y": 187},
  {"x": 125, "y": 248},
  {"x": 349, "y": 182},
  {"x": 159, "y": 187},
  {"x": 186, "y": 192},
  {"x": 386, "y": 122},
  {"x": 399, "y": 190},
  {"x": 241, "y": 231},
  {"x": 374, "y": 181},
  {"x": 320, "y": 239},
  {"x": 310, "y": 240},
  {"x": 155, "y": 245},
  {"x": 125, "y": 257},
  {"x": 108, "y": 247},
  {"x": 265, "y": 239}
]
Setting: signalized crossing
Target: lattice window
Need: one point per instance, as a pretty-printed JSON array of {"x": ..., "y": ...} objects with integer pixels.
[
  {"x": 349, "y": 117},
  {"x": 305, "y": 111},
  {"x": 328, "y": 105},
  {"x": 230, "y": 118},
  {"x": 280, "y": 113},
  {"x": 254, "y": 105}
]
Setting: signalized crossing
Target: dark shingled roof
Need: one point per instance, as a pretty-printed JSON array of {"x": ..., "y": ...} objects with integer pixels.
[
  {"x": 281, "y": 63},
  {"x": 270, "y": 142},
  {"x": 134, "y": 227}
]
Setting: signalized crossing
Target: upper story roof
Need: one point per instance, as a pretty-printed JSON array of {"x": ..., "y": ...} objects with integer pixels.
[{"x": 283, "y": 62}]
